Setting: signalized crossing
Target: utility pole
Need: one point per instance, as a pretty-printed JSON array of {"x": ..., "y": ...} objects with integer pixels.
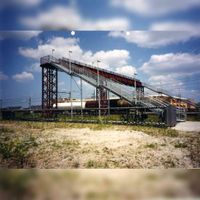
[
  {"x": 99, "y": 98},
  {"x": 70, "y": 67},
  {"x": 180, "y": 101},
  {"x": 29, "y": 102},
  {"x": 135, "y": 84},
  {"x": 81, "y": 98},
  {"x": 108, "y": 102}
]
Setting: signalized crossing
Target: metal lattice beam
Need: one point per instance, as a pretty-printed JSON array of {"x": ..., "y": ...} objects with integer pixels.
[
  {"x": 103, "y": 99},
  {"x": 49, "y": 87}
]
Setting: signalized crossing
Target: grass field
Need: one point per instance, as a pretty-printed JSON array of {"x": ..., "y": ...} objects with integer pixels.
[{"x": 74, "y": 145}]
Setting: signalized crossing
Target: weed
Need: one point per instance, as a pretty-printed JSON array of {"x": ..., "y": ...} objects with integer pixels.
[
  {"x": 107, "y": 150},
  {"x": 70, "y": 143},
  {"x": 4, "y": 129},
  {"x": 75, "y": 164},
  {"x": 96, "y": 164},
  {"x": 180, "y": 145},
  {"x": 169, "y": 163},
  {"x": 99, "y": 127},
  {"x": 156, "y": 131},
  {"x": 152, "y": 145},
  {"x": 56, "y": 145},
  {"x": 17, "y": 149}
]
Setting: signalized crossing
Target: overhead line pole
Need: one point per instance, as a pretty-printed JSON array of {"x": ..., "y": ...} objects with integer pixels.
[
  {"x": 70, "y": 67},
  {"x": 99, "y": 98},
  {"x": 135, "y": 88},
  {"x": 81, "y": 84}
]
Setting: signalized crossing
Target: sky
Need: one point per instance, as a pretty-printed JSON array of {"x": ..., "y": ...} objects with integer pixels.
[
  {"x": 157, "y": 39},
  {"x": 173, "y": 64},
  {"x": 97, "y": 14}
]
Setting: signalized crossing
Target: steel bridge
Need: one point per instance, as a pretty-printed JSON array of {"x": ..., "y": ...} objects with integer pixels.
[{"x": 104, "y": 81}]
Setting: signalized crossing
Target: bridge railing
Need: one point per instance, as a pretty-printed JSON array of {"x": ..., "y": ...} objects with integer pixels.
[
  {"x": 90, "y": 76},
  {"x": 157, "y": 90},
  {"x": 113, "y": 86},
  {"x": 48, "y": 59},
  {"x": 95, "y": 67}
]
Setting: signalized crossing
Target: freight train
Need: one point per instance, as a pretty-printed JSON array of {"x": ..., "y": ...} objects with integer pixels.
[{"x": 90, "y": 104}]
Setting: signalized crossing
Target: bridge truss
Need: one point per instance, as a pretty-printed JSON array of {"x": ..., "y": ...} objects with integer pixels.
[{"x": 104, "y": 81}]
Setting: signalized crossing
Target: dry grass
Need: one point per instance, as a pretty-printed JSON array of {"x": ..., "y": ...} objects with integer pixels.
[{"x": 74, "y": 145}]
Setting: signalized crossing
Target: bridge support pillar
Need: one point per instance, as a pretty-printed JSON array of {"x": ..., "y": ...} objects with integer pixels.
[
  {"x": 102, "y": 93},
  {"x": 49, "y": 88}
]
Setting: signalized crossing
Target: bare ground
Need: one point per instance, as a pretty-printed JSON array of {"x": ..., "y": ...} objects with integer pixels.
[
  {"x": 51, "y": 145},
  {"x": 188, "y": 126}
]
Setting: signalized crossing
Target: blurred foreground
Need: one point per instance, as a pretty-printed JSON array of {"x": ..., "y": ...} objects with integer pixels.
[{"x": 99, "y": 184}]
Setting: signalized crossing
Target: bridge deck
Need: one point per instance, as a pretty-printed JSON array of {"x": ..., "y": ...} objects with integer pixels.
[{"x": 123, "y": 79}]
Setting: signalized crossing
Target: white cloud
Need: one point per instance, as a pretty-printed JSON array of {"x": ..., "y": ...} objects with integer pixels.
[
  {"x": 190, "y": 27},
  {"x": 165, "y": 81},
  {"x": 155, "y": 7},
  {"x": 115, "y": 60},
  {"x": 3, "y": 76},
  {"x": 179, "y": 64},
  {"x": 60, "y": 44},
  {"x": 109, "y": 59},
  {"x": 126, "y": 70},
  {"x": 155, "y": 39},
  {"x": 112, "y": 58},
  {"x": 23, "y": 77},
  {"x": 169, "y": 71},
  {"x": 60, "y": 17},
  {"x": 175, "y": 85},
  {"x": 22, "y": 35}
]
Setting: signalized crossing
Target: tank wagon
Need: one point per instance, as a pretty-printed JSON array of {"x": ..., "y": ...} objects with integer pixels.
[{"x": 87, "y": 104}]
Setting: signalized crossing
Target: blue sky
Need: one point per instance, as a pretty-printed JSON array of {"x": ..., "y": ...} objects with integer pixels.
[
  {"x": 172, "y": 64},
  {"x": 166, "y": 53},
  {"x": 136, "y": 14}
]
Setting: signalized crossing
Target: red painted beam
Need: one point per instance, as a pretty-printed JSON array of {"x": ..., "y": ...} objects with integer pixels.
[{"x": 117, "y": 77}]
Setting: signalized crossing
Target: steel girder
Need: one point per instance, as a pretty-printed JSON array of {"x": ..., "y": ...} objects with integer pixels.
[{"x": 49, "y": 87}]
